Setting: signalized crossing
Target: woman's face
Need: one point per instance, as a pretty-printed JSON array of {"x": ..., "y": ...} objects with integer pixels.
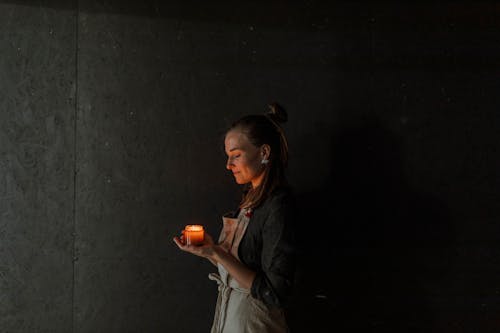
[{"x": 243, "y": 158}]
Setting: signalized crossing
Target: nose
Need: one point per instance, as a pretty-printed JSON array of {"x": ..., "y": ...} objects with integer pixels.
[{"x": 229, "y": 163}]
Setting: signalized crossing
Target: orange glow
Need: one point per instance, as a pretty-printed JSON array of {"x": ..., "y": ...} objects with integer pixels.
[{"x": 194, "y": 234}]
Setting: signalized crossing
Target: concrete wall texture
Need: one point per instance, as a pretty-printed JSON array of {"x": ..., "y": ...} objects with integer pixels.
[{"x": 112, "y": 119}]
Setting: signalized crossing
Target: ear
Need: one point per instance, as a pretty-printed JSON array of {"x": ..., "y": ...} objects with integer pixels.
[{"x": 265, "y": 151}]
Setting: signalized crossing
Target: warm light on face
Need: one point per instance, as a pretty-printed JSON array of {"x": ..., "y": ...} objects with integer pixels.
[{"x": 243, "y": 158}]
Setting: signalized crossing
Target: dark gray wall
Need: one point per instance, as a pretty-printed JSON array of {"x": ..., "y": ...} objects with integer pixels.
[
  {"x": 37, "y": 96},
  {"x": 111, "y": 128}
]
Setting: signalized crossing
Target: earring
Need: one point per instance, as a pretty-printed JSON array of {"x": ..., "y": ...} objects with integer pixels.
[{"x": 264, "y": 161}]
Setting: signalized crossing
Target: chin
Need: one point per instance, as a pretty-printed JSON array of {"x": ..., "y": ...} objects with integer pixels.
[{"x": 239, "y": 181}]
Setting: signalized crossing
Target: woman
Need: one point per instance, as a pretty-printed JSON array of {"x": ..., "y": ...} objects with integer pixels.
[{"x": 255, "y": 252}]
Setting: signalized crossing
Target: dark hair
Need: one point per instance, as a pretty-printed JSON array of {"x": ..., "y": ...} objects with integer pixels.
[{"x": 265, "y": 129}]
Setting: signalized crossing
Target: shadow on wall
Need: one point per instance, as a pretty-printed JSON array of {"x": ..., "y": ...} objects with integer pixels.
[{"x": 380, "y": 249}]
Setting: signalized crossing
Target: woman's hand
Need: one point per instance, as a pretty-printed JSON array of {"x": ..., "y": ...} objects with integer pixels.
[
  {"x": 205, "y": 250},
  {"x": 217, "y": 255}
]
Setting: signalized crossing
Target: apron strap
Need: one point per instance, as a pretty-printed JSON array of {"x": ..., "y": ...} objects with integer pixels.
[
  {"x": 230, "y": 238},
  {"x": 222, "y": 300}
]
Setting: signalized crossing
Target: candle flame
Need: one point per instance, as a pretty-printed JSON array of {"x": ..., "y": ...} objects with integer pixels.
[{"x": 194, "y": 227}]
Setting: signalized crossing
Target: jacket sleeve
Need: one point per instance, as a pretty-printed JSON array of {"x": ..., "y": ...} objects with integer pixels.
[{"x": 274, "y": 282}]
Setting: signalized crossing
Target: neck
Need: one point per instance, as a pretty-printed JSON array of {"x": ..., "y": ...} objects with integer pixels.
[{"x": 257, "y": 180}]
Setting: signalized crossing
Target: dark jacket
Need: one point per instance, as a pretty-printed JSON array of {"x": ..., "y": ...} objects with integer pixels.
[{"x": 268, "y": 248}]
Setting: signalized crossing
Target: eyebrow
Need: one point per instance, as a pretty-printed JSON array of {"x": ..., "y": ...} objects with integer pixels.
[{"x": 235, "y": 148}]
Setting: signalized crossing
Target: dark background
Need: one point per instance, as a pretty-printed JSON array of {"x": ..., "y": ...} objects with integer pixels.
[{"x": 112, "y": 119}]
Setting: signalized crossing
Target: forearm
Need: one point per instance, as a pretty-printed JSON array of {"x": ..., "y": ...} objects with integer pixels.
[
  {"x": 239, "y": 271},
  {"x": 212, "y": 261}
]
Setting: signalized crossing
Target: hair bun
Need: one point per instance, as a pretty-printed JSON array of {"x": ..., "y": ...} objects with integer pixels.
[{"x": 277, "y": 113}]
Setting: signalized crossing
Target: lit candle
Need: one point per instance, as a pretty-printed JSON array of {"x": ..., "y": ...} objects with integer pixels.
[{"x": 194, "y": 234}]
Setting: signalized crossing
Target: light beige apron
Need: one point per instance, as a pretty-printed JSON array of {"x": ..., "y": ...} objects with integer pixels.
[{"x": 237, "y": 311}]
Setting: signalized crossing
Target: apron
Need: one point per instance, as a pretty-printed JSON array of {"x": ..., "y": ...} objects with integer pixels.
[{"x": 237, "y": 311}]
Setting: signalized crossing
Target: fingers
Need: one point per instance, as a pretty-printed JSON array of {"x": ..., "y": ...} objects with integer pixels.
[
  {"x": 198, "y": 250},
  {"x": 180, "y": 238},
  {"x": 179, "y": 243},
  {"x": 182, "y": 245}
]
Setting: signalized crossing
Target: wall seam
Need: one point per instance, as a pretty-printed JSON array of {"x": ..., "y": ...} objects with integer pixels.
[
  {"x": 372, "y": 22},
  {"x": 75, "y": 170}
]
